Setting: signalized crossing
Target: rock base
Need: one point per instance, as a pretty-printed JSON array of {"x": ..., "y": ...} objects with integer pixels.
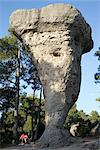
[
  {"x": 81, "y": 144},
  {"x": 55, "y": 137}
]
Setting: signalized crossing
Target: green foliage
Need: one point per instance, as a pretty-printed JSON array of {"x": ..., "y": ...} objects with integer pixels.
[
  {"x": 82, "y": 115},
  {"x": 85, "y": 121},
  {"x": 9, "y": 119},
  {"x": 7, "y": 98},
  {"x": 98, "y": 99},
  {"x": 25, "y": 116},
  {"x": 98, "y": 53},
  {"x": 72, "y": 111},
  {"x": 74, "y": 115},
  {"x": 83, "y": 130},
  {"x": 97, "y": 75},
  {"x": 94, "y": 116},
  {"x": 9, "y": 63},
  {"x": 27, "y": 125},
  {"x": 8, "y": 47},
  {"x": 7, "y": 70},
  {"x": 6, "y": 138}
]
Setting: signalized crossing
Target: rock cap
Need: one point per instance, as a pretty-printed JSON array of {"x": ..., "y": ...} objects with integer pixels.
[{"x": 53, "y": 17}]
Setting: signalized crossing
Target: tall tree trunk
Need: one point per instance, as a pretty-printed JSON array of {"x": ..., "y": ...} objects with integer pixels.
[
  {"x": 32, "y": 121},
  {"x": 17, "y": 97},
  {"x": 38, "y": 116},
  {"x": 40, "y": 106}
]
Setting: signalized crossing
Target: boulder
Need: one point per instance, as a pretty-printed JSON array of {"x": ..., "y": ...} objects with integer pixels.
[
  {"x": 74, "y": 129},
  {"x": 95, "y": 131}
]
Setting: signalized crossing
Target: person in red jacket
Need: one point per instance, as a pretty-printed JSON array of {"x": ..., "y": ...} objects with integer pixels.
[{"x": 23, "y": 139}]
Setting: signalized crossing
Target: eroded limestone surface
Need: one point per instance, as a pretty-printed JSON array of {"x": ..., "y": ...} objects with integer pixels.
[{"x": 57, "y": 36}]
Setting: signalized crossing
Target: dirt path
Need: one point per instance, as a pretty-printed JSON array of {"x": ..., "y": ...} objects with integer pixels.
[
  {"x": 84, "y": 144},
  {"x": 20, "y": 147}
]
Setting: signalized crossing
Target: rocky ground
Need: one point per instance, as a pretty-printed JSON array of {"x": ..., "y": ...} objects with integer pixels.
[{"x": 81, "y": 144}]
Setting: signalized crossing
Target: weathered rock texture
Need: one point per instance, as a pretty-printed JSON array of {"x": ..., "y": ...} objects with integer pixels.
[{"x": 57, "y": 36}]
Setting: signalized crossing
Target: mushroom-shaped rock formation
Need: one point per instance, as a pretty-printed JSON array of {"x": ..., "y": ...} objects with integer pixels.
[{"x": 57, "y": 36}]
